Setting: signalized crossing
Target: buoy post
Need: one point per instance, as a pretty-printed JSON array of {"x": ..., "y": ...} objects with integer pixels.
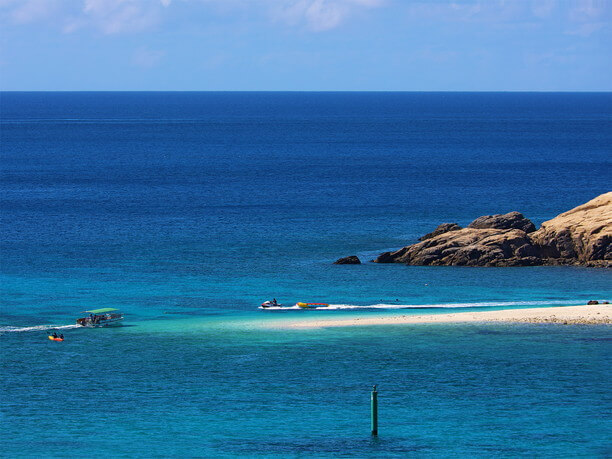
[{"x": 374, "y": 410}]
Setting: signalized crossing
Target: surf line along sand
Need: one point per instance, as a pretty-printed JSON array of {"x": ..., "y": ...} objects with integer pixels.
[{"x": 584, "y": 314}]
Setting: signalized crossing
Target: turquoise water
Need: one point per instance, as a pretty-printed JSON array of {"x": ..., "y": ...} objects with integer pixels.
[
  {"x": 187, "y": 210},
  {"x": 208, "y": 388}
]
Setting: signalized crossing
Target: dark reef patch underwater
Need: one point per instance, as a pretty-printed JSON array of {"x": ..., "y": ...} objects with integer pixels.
[{"x": 187, "y": 210}]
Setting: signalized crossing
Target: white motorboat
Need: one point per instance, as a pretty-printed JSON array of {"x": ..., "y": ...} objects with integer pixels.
[{"x": 104, "y": 317}]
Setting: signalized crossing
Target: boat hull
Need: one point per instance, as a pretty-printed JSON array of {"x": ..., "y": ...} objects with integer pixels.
[
  {"x": 101, "y": 323},
  {"x": 269, "y": 304}
]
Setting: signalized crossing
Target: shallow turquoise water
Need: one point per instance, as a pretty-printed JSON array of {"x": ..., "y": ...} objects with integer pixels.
[{"x": 212, "y": 388}]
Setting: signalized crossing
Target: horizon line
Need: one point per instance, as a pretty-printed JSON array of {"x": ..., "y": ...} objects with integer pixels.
[{"x": 310, "y": 91}]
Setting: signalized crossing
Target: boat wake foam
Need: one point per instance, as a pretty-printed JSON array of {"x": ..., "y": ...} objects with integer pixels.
[
  {"x": 487, "y": 304},
  {"x": 36, "y": 328}
]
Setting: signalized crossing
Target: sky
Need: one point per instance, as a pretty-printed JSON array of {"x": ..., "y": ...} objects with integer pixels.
[{"x": 306, "y": 45}]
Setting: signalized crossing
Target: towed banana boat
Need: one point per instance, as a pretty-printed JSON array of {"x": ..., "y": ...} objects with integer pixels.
[{"x": 312, "y": 305}]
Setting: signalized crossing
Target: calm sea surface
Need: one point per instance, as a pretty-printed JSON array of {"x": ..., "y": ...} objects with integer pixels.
[{"x": 187, "y": 210}]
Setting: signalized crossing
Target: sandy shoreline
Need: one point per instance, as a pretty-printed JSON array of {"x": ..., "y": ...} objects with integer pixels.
[{"x": 591, "y": 314}]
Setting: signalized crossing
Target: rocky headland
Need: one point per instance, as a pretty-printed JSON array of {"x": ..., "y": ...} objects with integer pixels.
[{"x": 580, "y": 236}]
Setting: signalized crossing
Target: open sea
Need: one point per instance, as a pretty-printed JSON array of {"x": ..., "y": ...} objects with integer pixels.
[{"x": 187, "y": 210}]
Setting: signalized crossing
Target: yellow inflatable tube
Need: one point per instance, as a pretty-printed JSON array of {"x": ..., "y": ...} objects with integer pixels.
[{"x": 308, "y": 305}]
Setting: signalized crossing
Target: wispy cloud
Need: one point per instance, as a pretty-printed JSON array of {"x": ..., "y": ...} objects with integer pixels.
[
  {"x": 107, "y": 16},
  {"x": 579, "y": 17},
  {"x": 26, "y": 11},
  {"x": 318, "y": 15},
  {"x": 128, "y": 16},
  {"x": 544, "y": 8},
  {"x": 147, "y": 58},
  {"x": 586, "y": 29},
  {"x": 489, "y": 11},
  {"x": 575, "y": 17},
  {"x": 589, "y": 16},
  {"x": 588, "y": 10},
  {"x": 120, "y": 16},
  {"x": 512, "y": 11}
]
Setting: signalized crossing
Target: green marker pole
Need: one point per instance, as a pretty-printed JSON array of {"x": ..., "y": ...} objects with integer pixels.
[{"x": 374, "y": 410}]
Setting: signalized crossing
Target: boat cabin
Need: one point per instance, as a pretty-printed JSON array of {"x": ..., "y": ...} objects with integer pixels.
[{"x": 101, "y": 317}]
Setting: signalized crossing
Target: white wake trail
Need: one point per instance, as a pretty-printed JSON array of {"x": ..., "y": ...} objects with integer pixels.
[
  {"x": 36, "y": 328},
  {"x": 485, "y": 304}
]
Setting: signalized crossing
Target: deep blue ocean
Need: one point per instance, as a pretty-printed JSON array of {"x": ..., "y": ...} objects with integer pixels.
[{"x": 187, "y": 210}]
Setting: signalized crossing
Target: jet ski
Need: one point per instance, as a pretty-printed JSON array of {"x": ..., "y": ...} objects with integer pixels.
[{"x": 270, "y": 304}]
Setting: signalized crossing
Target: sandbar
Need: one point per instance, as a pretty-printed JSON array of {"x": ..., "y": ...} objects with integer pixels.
[{"x": 564, "y": 315}]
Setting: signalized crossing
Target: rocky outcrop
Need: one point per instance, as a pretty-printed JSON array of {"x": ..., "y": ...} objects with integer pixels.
[
  {"x": 511, "y": 220},
  {"x": 351, "y": 260},
  {"x": 580, "y": 236},
  {"x": 441, "y": 229},
  {"x": 468, "y": 247}
]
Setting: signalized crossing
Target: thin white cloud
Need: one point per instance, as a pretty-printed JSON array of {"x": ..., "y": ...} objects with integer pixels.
[
  {"x": 543, "y": 8},
  {"x": 586, "y": 29},
  {"x": 117, "y": 16},
  {"x": 580, "y": 17},
  {"x": 318, "y": 15},
  {"x": 107, "y": 16},
  {"x": 125, "y": 16},
  {"x": 487, "y": 11},
  {"x": 589, "y": 16},
  {"x": 147, "y": 58},
  {"x": 26, "y": 11},
  {"x": 589, "y": 10}
]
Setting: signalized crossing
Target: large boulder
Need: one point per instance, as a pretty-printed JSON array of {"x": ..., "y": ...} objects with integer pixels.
[
  {"x": 441, "y": 229},
  {"x": 511, "y": 220},
  {"x": 581, "y": 235}
]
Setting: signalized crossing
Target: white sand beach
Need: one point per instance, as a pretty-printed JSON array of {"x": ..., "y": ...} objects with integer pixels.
[{"x": 564, "y": 315}]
